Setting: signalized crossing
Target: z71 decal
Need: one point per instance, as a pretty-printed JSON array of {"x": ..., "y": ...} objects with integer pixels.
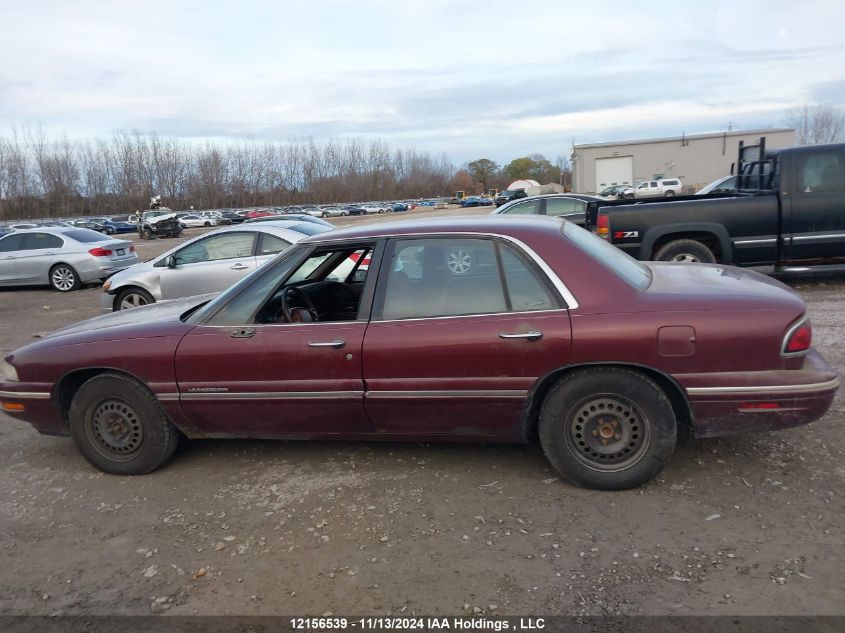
[{"x": 621, "y": 235}]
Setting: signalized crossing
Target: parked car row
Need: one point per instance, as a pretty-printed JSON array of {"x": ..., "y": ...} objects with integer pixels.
[{"x": 656, "y": 188}]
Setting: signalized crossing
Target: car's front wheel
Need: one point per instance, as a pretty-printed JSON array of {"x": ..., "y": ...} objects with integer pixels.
[
  {"x": 607, "y": 428},
  {"x": 120, "y": 427},
  {"x": 64, "y": 278},
  {"x": 132, "y": 298}
]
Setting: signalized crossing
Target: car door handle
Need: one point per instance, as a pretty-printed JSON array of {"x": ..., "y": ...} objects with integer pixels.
[
  {"x": 239, "y": 267},
  {"x": 533, "y": 335},
  {"x": 244, "y": 332},
  {"x": 337, "y": 343}
]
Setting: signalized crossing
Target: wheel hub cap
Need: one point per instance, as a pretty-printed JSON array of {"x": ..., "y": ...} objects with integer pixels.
[
  {"x": 115, "y": 429},
  {"x": 63, "y": 278},
  {"x": 459, "y": 262},
  {"x": 608, "y": 433}
]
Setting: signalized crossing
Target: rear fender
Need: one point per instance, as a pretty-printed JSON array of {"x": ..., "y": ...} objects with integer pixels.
[{"x": 684, "y": 231}]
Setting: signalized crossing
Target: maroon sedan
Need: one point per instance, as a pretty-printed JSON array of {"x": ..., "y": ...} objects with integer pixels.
[{"x": 481, "y": 329}]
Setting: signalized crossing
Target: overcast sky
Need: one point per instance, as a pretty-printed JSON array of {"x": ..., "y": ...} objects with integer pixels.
[{"x": 472, "y": 79}]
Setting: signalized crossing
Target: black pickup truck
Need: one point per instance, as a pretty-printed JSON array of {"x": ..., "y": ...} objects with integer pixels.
[{"x": 788, "y": 211}]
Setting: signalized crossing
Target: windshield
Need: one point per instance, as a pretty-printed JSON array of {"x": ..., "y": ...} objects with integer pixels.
[{"x": 626, "y": 267}]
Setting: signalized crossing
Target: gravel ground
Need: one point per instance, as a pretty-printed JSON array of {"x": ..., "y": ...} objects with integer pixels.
[{"x": 746, "y": 525}]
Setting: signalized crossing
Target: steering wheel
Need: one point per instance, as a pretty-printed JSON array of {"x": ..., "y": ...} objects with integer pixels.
[{"x": 299, "y": 310}]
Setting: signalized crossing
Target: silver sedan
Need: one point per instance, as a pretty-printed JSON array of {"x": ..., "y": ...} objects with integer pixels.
[
  {"x": 209, "y": 263},
  {"x": 64, "y": 258}
]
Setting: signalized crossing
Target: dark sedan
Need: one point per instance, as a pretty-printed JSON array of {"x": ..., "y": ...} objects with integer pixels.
[{"x": 375, "y": 333}]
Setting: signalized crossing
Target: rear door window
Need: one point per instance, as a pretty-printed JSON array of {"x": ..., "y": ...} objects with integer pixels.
[
  {"x": 437, "y": 277},
  {"x": 564, "y": 206},
  {"x": 526, "y": 207},
  {"x": 270, "y": 244},
  {"x": 822, "y": 172},
  {"x": 39, "y": 241}
]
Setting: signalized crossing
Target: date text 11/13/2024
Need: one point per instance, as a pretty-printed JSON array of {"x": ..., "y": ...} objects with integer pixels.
[{"x": 418, "y": 623}]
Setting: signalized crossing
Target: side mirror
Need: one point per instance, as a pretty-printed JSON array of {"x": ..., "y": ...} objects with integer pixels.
[{"x": 170, "y": 262}]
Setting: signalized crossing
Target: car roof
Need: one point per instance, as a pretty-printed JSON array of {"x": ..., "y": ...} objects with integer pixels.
[{"x": 513, "y": 226}]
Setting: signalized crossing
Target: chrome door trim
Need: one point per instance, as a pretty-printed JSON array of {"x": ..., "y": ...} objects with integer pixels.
[
  {"x": 776, "y": 389},
  {"x": 26, "y": 395},
  {"x": 450, "y": 393},
  {"x": 272, "y": 395}
]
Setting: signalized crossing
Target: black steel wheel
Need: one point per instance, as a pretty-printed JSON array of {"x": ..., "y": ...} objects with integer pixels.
[
  {"x": 607, "y": 428},
  {"x": 114, "y": 430},
  {"x": 119, "y": 426}
]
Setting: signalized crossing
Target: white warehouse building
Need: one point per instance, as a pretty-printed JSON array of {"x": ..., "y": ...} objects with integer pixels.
[{"x": 696, "y": 159}]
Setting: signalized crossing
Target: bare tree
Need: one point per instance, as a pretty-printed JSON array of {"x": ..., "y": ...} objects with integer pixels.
[{"x": 817, "y": 124}]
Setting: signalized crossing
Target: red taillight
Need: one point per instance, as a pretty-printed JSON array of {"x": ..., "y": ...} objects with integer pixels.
[
  {"x": 603, "y": 226},
  {"x": 799, "y": 338},
  {"x": 99, "y": 252},
  {"x": 132, "y": 249},
  {"x": 758, "y": 406}
]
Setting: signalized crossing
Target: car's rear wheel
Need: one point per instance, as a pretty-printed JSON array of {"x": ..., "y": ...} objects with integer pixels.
[
  {"x": 687, "y": 251},
  {"x": 148, "y": 234},
  {"x": 607, "y": 428},
  {"x": 64, "y": 278},
  {"x": 132, "y": 298},
  {"x": 669, "y": 194},
  {"x": 207, "y": 224},
  {"x": 120, "y": 427}
]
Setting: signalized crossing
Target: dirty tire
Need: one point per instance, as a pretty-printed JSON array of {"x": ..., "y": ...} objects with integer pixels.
[
  {"x": 669, "y": 194},
  {"x": 623, "y": 406},
  {"x": 132, "y": 298},
  {"x": 686, "y": 251},
  {"x": 120, "y": 427},
  {"x": 64, "y": 278}
]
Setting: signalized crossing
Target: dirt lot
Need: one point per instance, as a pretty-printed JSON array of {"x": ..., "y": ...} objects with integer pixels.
[{"x": 746, "y": 525}]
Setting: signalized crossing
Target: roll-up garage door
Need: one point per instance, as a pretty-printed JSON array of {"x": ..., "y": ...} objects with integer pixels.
[{"x": 618, "y": 170}]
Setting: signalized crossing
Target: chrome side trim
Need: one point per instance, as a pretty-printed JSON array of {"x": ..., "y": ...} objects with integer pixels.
[
  {"x": 777, "y": 389},
  {"x": 166, "y": 397},
  {"x": 457, "y": 393},
  {"x": 760, "y": 241},
  {"x": 274, "y": 395},
  {"x": 470, "y": 316},
  {"x": 26, "y": 395},
  {"x": 811, "y": 238}
]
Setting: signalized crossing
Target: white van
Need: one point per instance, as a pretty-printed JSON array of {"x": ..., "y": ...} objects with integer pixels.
[{"x": 665, "y": 188}]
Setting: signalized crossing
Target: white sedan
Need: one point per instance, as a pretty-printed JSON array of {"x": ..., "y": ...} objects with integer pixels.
[{"x": 192, "y": 220}]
